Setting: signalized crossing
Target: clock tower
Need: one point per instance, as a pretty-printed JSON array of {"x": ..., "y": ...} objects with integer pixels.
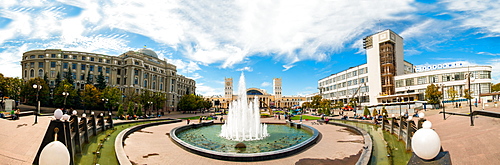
[{"x": 228, "y": 88}]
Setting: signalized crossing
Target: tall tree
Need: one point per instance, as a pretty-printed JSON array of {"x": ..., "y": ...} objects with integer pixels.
[
  {"x": 101, "y": 82},
  {"x": 468, "y": 94},
  {"x": 316, "y": 101},
  {"x": 130, "y": 109},
  {"x": 90, "y": 96},
  {"x": 89, "y": 79},
  {"x": 189, "y": 102},
  {"x": 113, "y": 95},
  {"x": 59, "y": 98},
  {"x": 452, "y": 94},
  {"x": 433, "y": 95},
  {"x": 29, "y": 93},
  {"x": 69, "y": 76},
  {"x": 495, "y": 87},
  {"x": 58, "y": 79}
]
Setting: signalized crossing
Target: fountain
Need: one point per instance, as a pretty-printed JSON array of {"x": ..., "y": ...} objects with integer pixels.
[
  {"x": 243, "y": 120},
  {"x": 243, "y": 137}
]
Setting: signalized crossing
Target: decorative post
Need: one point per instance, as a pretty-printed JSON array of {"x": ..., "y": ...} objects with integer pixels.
[{"x": 426, "y": 146}]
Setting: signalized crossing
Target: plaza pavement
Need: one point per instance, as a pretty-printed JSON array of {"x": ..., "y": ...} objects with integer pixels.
[
  {"x": 20, "y": 139},
  {"x": 154, "y": 141}
]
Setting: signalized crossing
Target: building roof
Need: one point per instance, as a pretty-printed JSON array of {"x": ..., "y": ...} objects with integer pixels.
[{"x": 148, "y": 52}]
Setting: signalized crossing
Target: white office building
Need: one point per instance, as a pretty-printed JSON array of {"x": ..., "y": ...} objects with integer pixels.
[{"x": 387, "y": 78}]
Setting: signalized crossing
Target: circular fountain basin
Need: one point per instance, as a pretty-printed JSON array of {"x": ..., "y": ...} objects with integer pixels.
[{"x": 284, "y": 140}]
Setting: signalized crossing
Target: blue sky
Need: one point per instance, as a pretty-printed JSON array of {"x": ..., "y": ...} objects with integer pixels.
[{"x": 299, "y": 41}]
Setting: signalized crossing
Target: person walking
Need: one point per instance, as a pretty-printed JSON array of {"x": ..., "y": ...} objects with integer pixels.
[{"x": 187, "y": 121}]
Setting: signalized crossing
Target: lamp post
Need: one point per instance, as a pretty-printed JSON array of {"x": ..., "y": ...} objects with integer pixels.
[
  {"x": 150, "y": 106},
  {"x": 38, "y": 88},
  {"x": 468, "y": 75},
  {"x": 65, "y": 94},
  {"x": 442, "y": 93},
  {"x": 105, "y": 103}
]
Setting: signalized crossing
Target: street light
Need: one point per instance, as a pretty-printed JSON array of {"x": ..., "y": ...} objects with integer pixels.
[
  {"x": 151, "y": 107},
  {"x": 38, "y": 88},
  {"x": 105, "y": 103},
  {"x": 65, "y": 94},
  {"x": 468, "y": 76}
]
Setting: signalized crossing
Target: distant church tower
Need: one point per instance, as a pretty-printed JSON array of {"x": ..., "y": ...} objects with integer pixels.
[
  {"x": 228, "y": 90},
  {"x": 277, "y": 88}
]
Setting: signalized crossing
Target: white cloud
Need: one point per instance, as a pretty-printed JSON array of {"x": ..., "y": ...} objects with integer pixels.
[
  {"x": 477, "y": 14},
  {"x": 287, "y": 67},
  {"x": 489, "y": 54},
  {"x": 265, "y": 84},
  {"x": 246, "y": 68},
  {"x": 207, "y": 90}
]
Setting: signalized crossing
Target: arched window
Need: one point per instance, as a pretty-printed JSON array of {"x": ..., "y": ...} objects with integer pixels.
[
  {"x": 40, "y": 73},
  {"x": 32, "y": 73},
  {"x": 154, "y": 85},
  {"x": 145, "y": 83},
  {"x": 25, "y": 73}
]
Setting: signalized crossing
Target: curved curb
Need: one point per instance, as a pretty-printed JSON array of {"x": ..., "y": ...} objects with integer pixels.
[
  {"x": 121, "y": 156},
  {"x": 247, "y": 156},
  {"x": 368, "y": 147}
]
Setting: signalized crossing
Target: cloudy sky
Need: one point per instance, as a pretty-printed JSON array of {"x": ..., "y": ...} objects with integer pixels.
[{"x": 299, "y": 41}]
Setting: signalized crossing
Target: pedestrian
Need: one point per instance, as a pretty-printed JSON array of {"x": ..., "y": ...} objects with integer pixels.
[
  {"x": 201, "y": 118},
  {"x": 460, "y": 105},
  {"x": 221, "y": 118},
  {"x": 187, "y": 121},
  {"x": 279, "y": 117}
]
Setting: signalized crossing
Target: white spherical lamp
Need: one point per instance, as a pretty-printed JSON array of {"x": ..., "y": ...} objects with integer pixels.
[
  {"x": 421, "y": 115},
  {"x": 410, "y": 117},
  {"x": 54, "y": 153},
  {"x": 101, "y": 114},
  {"x": 58, "y": 114},
  {"x": 426, "y": 143},
  {"x": 74, "y": 112},
  {"x": 65, "y": 117},
  {"x": 91, "y": 113},
  {"x": 84, "y": 115}
]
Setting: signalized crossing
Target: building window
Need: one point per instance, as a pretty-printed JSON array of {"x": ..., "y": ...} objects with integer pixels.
[
  {"x": 421, "y": 80},
  {"x": 82, "y": 76},
  {"x": 40, "y": 72},
  {"x": 91, "y": 67},
  {"x": 154, "y": 85},
  {"x": 91, "y": 58},
  {"x": 99, "y": 68},
  {"x": 146, "y": 75},
  {"x": 433, "y": 79},
  {"x": 161, "y": 86},
  {"x": 145, "y": 83},
  {"x": 75, "y": 57},
  {"x": 73, "y": 66},
  {"x": 108, "y": 70},
  {"x": 83, "y": 67},
  {"x": 118, "y": 81},
  {"x": 32, "y": 73},
  {"x": 125, "y": 81},
  {"x": 32, "y": 64},
  {"x": 136, "y": 72},
  {"x": 41, "y": 56},
  {"x": 409, "y": 82},
  {"x": 83, "y": 58},
  {"x": 118, "y": 71},
  {"x": 53, "y": 56},
  {"x": 136, "y": 80},
  {"x": 65, "y": 65},
  {"x": 52, "y": 64},
  {"x": 52, "y": 74},
  {"x": 65, "y": 56},
  {"x": 107, "y": 78},
  {"x": 32, "y": 56},
  {"x": 100, "y": 59}
]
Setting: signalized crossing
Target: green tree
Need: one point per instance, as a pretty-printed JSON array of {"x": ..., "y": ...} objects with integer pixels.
[
  {"x": 120, "y": 110},
  {"x": 366, "y": 112},
  {"x": 113, "y": 95},
  {"x": 432, "y": 94},
  {"x": 384, "y": 112},
  {"x": 101, "y": 82},
  {"x": 189, "y": 102},
  {"x": 90, "y": 96},
  {"x": 29, "y": 94},
  {"x": 59, "y": 98},
  {"x": 326, "y": 106},
  {"x": 452, "y": 94},
  {"x": 374, "y": 113},
  {"x": 11, "y": 87},
  {"x": 138, "y": 112},
  {"x": 316, "y": 101},
  {"x": 89, "y": 78},
  {"x": 58, "y": 79},
  {"x": 340, "y": 104},
  {"x": 130, "y": 109},
  {"x": 468, "y": 94},
  {"x": 495, "y": 87},
  {"x": 69, "y": 76}
]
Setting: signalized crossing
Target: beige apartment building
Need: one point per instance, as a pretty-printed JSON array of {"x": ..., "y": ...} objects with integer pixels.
[{"x": 131, "y": 72}]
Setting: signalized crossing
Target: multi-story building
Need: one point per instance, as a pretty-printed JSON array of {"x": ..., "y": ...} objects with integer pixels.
[
  {"x": 267, "y": 100},
  {"x": 131, "y": 72},
  {"x": 387, "y": 78}
]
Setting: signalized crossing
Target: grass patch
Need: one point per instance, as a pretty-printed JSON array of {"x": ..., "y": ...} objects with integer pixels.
[{"x": 305, "y": 117}]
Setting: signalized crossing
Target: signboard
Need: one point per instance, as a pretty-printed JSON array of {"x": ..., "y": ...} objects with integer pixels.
[{"x": 424, "y": 68}]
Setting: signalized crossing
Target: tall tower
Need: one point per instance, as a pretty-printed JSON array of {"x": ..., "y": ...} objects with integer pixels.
[
  {"x": 385, "y": 59},
  {"x": 228, "y": 90},
  {"x": 277, "y": 88}
]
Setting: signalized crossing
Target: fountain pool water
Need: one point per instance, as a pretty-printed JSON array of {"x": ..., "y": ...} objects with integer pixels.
[
  {"x": 243, "y": 137},
  {"x": 207, "y": 137},
  {"x": 243, "y": 120}
]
